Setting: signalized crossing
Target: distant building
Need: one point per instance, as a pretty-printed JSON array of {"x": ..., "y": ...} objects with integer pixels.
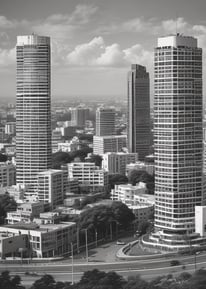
[
  {"x": 56, "y": 139},
  {"x": 79, "y": 115},
  {"x": 91, "y": 178},
  {"x": 10, "y": 128},
  {"x": 104, "y": 144},
  {"x": 7, "y": 174},
  {"x": 115, "y": 163},
  {"x": 105, "y": 121},
  {"x": 138, "y": 124},
  {"x": 141, "y": 166}
]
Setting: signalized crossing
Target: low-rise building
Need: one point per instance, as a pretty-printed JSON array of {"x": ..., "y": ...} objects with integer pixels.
[
  {"x": 142, "y": 212},
  {"x": 25, "y": 212},
  {"x": 44, "y": 241},
  {"x": 111, "y": 143},
  {"x": 11, "y": 244},
  {"x": 91, "y": 178},
  {"x": 128, "y": 194},
  {"x": 115, "y": 163},
  {"x": 141, "y": 166}
]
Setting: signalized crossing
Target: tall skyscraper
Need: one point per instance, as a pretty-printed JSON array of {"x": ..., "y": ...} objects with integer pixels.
[
  {"x": 105, "y": 121},
  {"x": 33, "y": 108},
  {"x": 138, "y": 124},
  {"x": 178, "y": 136}
]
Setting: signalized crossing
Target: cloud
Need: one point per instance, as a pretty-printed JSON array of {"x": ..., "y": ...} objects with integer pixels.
[
  {"x": 174, "y": 25},
  {"x": 5, "y": 23},
  {"x": 151, "y": 26},
  {"x": 7, "y": 57},
  {"x": 97, "y": 54},
  {"x": 63, "y": 26}
]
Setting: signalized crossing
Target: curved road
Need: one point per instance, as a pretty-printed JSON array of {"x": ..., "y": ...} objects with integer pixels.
[{"x": 146, "y": 268}]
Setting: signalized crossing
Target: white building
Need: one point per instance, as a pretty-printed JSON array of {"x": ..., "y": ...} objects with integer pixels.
[
  {"x": 178, "y": 134},
  {"x": 7, "y": 174},
  {"x": 33, "y": 108},
  {"x": 50, "y": 187},
  {"x": 141, "y": 166},
  {"x": 129, "y": 194},
  {"x": 200, "y": 220},
  {"x": 112, "y": 143},
  {"x": 69, "y": 146},
  {"x": 91, "y": 178},
  {"x": 10, "y": 128},
  {"x": 115, "y": 163}
]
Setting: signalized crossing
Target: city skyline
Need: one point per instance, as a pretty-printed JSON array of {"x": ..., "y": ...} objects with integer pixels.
[{"x": 94, "y": 42}]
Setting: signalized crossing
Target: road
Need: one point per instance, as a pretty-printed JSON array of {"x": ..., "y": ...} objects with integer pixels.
[{"x": 147, "y": 269}]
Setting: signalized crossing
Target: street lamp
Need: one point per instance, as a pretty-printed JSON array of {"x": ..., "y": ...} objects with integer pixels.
[
  {"x": 86, "y": 244},
  {"x": 96, "y": 237},
  {"x": 72, "y": 255}
]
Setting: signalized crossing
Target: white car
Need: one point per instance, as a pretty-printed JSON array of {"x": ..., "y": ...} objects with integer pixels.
[{"x": 119, "y": 242}]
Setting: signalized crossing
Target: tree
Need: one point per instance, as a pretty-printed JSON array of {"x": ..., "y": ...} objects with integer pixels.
[
  {"x": 136, "y": 282},
  {"x": 143, "y": 227},
  {"x": 48, "y": 282},
  {"x": 3, "y": 158},
  {"x": 136, "y": 176},
  {"x": 96, "y": 279},
  {"x": 7, "y": 203},
  {"x": 8, "y": 282},
  {"x": 117, "y": 179},
  {"x": 102, "y": 217},
  {"x": 60, "y": 158},
  {"x": 95, "y": 159},
  {"x": 122, "y": 214}
]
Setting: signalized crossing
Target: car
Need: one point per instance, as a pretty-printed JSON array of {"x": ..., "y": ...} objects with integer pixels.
[
  {"x": 174, "y": 262},
  {"x": 119, "y": 242}
]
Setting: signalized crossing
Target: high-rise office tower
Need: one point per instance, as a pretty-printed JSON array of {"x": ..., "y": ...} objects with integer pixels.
[
  {"x": 33, "y": 108},
  {"x": 105, "y": 121},
  {"x": 177, "y": 136},
  {"x": 138, "y": 123}
]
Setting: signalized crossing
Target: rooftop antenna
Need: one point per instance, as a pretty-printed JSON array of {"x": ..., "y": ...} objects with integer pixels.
[{"x": 176, "y": 24}]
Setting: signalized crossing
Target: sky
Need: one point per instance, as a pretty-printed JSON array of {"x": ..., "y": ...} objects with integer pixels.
[{"x": 94, "y": 42}]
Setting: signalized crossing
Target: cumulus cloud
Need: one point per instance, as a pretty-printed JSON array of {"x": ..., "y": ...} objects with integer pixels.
[
  {"x": 63, "y": 26},
  {"x": 97, "y": 53}
]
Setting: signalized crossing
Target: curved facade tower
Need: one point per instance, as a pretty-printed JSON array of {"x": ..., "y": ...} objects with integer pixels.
[
  {"x": 178, "y": 136},
  {"x": 33, "y": 108}
]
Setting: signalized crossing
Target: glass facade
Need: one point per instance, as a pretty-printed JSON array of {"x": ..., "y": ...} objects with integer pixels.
[{"x": 138, "y": 124}]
